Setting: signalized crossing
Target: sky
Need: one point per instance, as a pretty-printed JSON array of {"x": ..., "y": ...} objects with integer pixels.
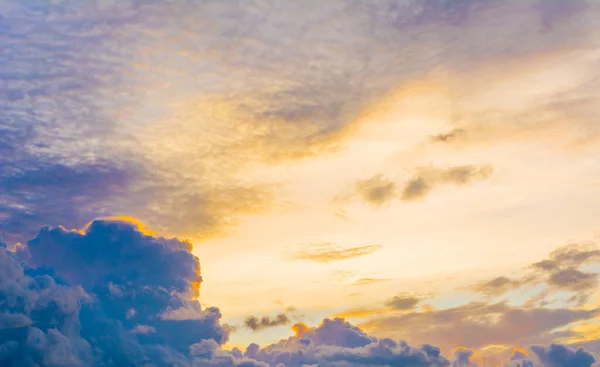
[{"x": 267, "y": 183}]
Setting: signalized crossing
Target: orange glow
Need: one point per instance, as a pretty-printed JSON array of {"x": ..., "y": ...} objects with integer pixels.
[
  {"x": 124, "y": 219},
  {"x": 520, "y": 350},
  {"x": 299, "y": 329},
  {"x": 363, "y": 312},
  {"x": 196, "y": 289}
]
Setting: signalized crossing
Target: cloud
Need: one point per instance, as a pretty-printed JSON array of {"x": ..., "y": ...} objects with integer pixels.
[
  {"x": 558, "y": 355},
  {"x": 99, "y": 93},
  {"x": 496, "y": 286},
  {"x": 571, "y": 256},
  {"x": 403, "y": 302},
  {"x": 462, "y": 357},
  {"x": 101, "y": 297},
  {"x": 367, "y": 281},
  {"x": 397, "y": 304},
  {"x": 480, "y": 324},
  {"x": 327, "y": 252},
  {"x": 561, "y": 271},
  {"x": 255, "y": 324},
  {"x": 337, "y": 343},
  {"x": 74, "y": 308},
  {"x": 376, "y": 190},
  {"x": 447, "y": 137},
  {"x": 573, "y": 280},
  {"x": 427, "y": 178}
]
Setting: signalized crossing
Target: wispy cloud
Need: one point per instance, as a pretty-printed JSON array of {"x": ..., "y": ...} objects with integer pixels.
[
  {"x": 328, "y": 252},
  {"x": 427, "y": 179},
  {"x": 367, "y": 281},
  {"x": 562, "y": 271},
  {"x": 378, "y": 190}
]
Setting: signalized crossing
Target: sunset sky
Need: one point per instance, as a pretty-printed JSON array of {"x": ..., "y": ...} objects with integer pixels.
[{"x": 427, "y": 170}]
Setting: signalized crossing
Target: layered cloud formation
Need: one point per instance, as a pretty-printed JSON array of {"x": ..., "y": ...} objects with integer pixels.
[
  {"x": 164, "y": 109},
  {"x": 114, "y": 296},
  {"x": 100, "y": 114}
]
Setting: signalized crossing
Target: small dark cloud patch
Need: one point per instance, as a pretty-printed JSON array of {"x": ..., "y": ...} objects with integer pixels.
[
  {"x": 427, "y": 179},
  {"x": 573, "y": 280},
  {"x": 256, "y": 324},
  {"x": 447, "y": 137},
  {"x": 573, "y": 256},
  {"x": 415, "y": 188},
  {"x": 376, "y": 190},
  {"x": 403, "y": 302},
  {"x": 561, "y": 271},
  {"x": 327, "y": 252}
]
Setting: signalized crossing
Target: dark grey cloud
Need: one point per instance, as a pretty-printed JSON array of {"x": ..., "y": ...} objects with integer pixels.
[
  {"x": 558, "y": 356},
  {"x": 428, "y": 178},
  {"x": 327, "y": 252},
  {"x": 255, "y": 323}
]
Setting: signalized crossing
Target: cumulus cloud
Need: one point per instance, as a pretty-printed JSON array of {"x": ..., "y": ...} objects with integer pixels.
[
  {"x": 462, "y": 357},
  {"x": 327, "y": 252},
  {"x": 558, "y": 355},
  {"x": 255, "y": 323},
  {"x": 337, "y": 343},
  {"x": 74, "y": 307},
  {"x": 398, "y": 304}
]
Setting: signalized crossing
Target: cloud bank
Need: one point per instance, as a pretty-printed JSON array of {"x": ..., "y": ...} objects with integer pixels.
[{"x": 114, "y": 296}]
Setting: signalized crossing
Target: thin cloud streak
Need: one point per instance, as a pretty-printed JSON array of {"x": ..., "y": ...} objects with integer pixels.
[{"x": 327, "y": 252}]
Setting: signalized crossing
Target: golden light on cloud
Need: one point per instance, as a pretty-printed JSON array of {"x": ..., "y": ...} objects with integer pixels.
[
  {"x": 369, "y": 160},
  {"x": 125, "y": 219}
]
